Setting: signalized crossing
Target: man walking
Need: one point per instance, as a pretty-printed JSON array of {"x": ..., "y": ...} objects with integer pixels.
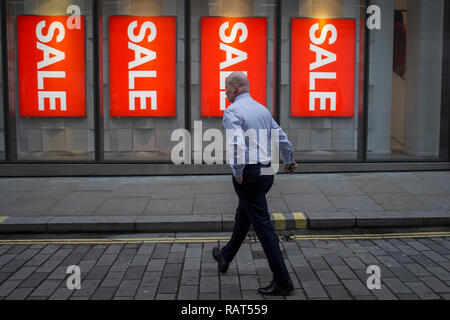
[{"x": 250, "y": 186}]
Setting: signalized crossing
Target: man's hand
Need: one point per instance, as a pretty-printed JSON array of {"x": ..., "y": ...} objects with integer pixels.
[
  {"x": 290, "y": 168},
  {"x": 239, "y": 180}
]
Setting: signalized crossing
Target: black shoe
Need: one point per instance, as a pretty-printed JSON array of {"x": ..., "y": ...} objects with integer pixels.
[
  {"x": 217, "y": 254},
  {"x": 276, "y": 288}
]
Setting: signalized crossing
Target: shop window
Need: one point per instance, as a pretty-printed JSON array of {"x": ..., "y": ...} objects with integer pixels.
[
  {"x": 143, "y": 77},
  {"x": 51, "y": 90},
  {"x": 406, "y": 57},
  {"x": 320, "y": 78},
  {"x": 227, "y": 36}
]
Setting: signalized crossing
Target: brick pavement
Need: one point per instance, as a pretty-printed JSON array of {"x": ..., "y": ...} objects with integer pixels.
[{"x": 411, "y": 268}]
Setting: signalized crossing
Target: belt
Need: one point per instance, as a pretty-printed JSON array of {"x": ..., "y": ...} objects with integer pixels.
[{"x": 267, "y": 165}]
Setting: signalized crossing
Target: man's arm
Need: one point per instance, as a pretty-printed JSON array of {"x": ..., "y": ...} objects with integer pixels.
[
  {"x": 286, "y": 150},
  {"x": 285, "y": 146},
  {"x": 233, "y": 126}
]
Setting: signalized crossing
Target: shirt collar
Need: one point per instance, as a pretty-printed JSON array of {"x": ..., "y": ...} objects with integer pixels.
[{"x": 242, "y": 95}]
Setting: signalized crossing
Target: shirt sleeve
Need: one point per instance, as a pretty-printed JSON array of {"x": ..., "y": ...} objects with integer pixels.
[
  {"x": 285, "y": 146},
  {"x": 236, "y": 143}
]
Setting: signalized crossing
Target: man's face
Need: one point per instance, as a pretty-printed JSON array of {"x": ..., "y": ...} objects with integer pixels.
[{"x": 231, "y": 91}]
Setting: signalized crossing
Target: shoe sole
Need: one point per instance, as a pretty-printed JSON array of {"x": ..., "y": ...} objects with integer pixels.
[{"x": 282, "y": 293}]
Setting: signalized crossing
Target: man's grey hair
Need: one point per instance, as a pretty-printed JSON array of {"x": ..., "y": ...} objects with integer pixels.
[{"x": 239, "y": 78}]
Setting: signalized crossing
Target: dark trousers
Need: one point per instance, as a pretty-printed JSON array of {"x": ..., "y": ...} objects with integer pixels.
[{"x": 253, "y": 210}]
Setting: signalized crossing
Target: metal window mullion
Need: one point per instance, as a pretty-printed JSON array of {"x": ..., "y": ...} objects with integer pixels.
[
  {"x": 9, "y": 115},
  {"x": 187, "y": 64},
  {"x": 277, "y": 61},
  {"x": 363, "y": 118},
  {"x": 5, "y": 80},
  {"x": 444, "y": 153},
  {"x": 98, "y": 60}
]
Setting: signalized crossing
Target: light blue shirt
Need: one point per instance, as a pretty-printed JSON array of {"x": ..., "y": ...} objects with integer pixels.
[{"x": 244, "y": 114}]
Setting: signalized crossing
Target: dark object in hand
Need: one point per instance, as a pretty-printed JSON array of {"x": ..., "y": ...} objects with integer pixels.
[{"x": 292, "y": 167}]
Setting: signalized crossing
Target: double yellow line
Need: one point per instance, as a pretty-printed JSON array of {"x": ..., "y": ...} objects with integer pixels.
[
  {"x": 221, "y": 238},
  {"x": 373, "y": 236},
  {"x": 114, "y": 240}
]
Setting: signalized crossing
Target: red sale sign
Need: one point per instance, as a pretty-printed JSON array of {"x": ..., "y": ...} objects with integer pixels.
[
  {"x": 227, "y": 45},
  {"x": 322, "y": 67},
  {"x": 51, "y": 66},
  {"x": 142, "y": 66}
]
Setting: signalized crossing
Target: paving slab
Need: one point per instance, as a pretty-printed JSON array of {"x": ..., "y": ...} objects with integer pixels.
[
  {"x": 375, "y": 185},
  {"x": 338, "y": 188},
  {"x": 308, "y": 202},
  {"x": 123, "y": 206},
  {"x": 302, "y": 186},
  {"x": 355, "y": 203},
  {"x": 436, "y": 202},
  {"x": 30, "y": 207},
  {"x": 79, "y": 203},
  {"x": 399, "y": 202},
  {"x": 416, "y": 186},
  {"x": 9, "y": 197},
  {"x": 169, "y": 207}
]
